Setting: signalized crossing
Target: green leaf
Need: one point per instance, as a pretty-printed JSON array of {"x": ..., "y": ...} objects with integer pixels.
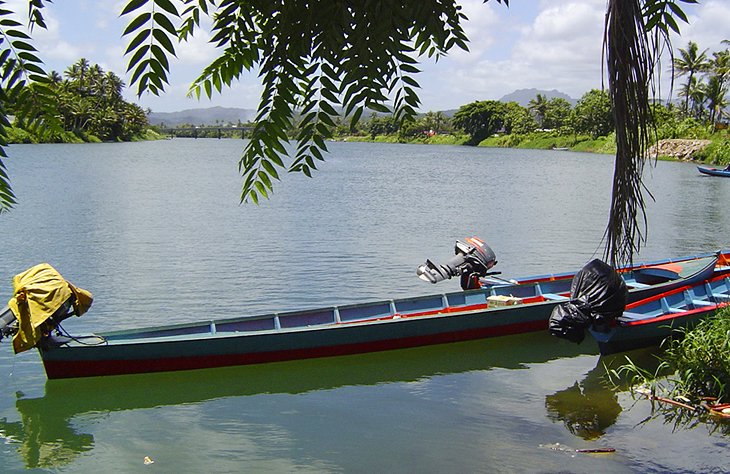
[
  {"x": 136, "y": 23},
  {"x": 356, "y": 118},
  {"x": 133, "y": 5},
  {"x": 378, "y": 107},
  {"x": 17, "y": 44},
  {"x": 168, "y": 6},
  {"x": 328, "y": 109},
  {"x": 264, "y": 178},
  {"x": 164, "y": 41},
  {"x": 270, "y": 169},
  {"x": 165, "y": 23},
  {"x": 143, "y": 35},
  {"x": 137, "y": 56}
]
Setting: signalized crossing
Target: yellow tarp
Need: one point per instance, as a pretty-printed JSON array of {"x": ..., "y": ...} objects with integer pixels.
[{"x": 37, "y": 293}]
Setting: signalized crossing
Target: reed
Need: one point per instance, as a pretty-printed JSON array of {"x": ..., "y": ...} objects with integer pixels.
[
  {"x": 701, "y": 358},
  {"x": 694, "y": 365}
]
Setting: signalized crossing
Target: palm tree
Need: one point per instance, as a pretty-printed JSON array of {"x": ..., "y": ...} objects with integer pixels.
[
  {"x": 720, "y": 66},
  {"x": 539, "y": 106},
  {"x": 715, "y": 93},
  {"x": 632, "y": 51},
  {"x": 78, "y": 73},
  {"x": 689, "y": 63},
  {"x": 55, "y": 77}
]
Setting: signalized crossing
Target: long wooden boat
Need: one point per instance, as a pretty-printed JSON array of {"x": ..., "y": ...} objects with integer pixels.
[
  {"x": 495, "y": 310},
  {"x": 649, "y": 321},
  {"x": 725, "y": 173}
]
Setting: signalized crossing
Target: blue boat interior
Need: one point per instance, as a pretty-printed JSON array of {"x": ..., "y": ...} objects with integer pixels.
[
  {"x": 389, "y": 309},
  {"x": 710, "y": 293},
  {"x": 551, "y": 289}
]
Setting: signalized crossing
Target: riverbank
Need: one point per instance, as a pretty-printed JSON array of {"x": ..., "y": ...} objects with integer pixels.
[
  {"x": 715, "y": 151},
  {"x": 17, "y": 135}
]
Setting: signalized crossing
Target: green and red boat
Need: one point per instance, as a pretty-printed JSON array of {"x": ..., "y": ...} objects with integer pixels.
[{"x": 496, "y": 308}]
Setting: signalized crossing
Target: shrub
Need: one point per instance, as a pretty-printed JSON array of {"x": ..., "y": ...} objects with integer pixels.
[
  {"x": 702, "y": 358},
  {"x": 717, "y": 152}
]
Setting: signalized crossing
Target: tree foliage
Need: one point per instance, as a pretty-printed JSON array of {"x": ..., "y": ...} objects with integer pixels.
[
  {"x": 20, "y": 66},
  {"x": 90, "y": 102},
  {"x": 706, "y": 89},
  {"x": 480, "y": 119},
  {"x": 689, "y": 63},
  {"x": 518, "y": 119},
  {"x": 592, "y": 114},
  {"x": 314, "y": 58}
]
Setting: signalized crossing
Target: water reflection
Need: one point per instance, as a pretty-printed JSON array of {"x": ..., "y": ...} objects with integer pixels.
[
  {"x": 47, "y": 437},
  {"x": 590, "y": 405}
]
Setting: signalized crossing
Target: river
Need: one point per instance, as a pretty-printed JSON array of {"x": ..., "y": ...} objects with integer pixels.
[{"x": 155, "y": 230}]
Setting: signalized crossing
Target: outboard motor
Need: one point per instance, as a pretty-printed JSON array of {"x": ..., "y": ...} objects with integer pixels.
[
  {"x": 8, "y": 323},
  {"x": 473, "y": 260},
  {"x": 597, "y": 297},
  {"x": 41, "y": 300}
]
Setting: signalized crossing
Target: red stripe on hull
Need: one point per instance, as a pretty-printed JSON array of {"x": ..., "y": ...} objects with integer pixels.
[{"x": 57, "y": 369}]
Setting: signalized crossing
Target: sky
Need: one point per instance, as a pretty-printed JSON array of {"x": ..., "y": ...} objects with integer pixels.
[{"x": 542, "y": 44}]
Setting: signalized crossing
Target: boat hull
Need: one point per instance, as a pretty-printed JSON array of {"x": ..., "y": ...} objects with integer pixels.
[
  {"x": 649, "y": 335},
  {"x": 247, "y": 348},
  {"x": 714, "y": 172}
]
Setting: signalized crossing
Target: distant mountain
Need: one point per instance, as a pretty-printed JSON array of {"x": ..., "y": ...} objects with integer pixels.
[
  {"x": 209, "y": 116},
  {"x": 524, "y": 96},
  {"x": 226, "y": 115}
]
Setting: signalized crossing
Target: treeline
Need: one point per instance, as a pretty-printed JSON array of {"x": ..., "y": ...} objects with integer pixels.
[
  {"x": 545, "y": 123},
  {"x": 88, "y": 106}
]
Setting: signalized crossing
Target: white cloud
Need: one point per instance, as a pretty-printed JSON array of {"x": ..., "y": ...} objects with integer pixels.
[
  {"x": 547, "y": 44},
  {"x": 707, "y": 27},
  {"x": 557, "y": 47},
  {"x": 482, "y": 27},
  {"x": 54, "y": 47}
]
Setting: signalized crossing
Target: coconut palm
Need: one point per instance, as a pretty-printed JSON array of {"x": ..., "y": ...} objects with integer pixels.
[
  {"x": 79, "y": 73},
  {"x": 715, "y": 93},
  {"x": 539, "y": 107},
  {"x": 689, "y": 63},
  {"x": 720, "y": 66}
]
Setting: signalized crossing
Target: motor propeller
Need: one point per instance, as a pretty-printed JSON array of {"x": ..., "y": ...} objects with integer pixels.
[
  {"x": 8, "y": 323},
  {"x": 473, "y": 260}
]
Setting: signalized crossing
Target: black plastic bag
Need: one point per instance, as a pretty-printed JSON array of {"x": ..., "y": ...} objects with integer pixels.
[{"x": 597, "y": 297}]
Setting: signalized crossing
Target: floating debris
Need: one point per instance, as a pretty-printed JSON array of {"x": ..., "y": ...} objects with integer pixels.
[
  {"x": 148, "y": 460},
  {"x": 567, "y": 449}
]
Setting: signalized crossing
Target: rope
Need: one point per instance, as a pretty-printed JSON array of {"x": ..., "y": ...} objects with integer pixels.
[{"x": 60, "y": 330}]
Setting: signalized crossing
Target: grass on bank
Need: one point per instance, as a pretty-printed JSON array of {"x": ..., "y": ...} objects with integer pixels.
[
  {"x": 19, "y": 135},
  {"x": 695, "y": 365}
]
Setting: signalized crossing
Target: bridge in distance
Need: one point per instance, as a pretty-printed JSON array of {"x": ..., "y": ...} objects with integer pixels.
[{"x": 195, "y": 132}]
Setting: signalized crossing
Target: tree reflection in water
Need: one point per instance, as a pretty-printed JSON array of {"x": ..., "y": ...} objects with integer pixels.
[{"x": 590, "y": 406}]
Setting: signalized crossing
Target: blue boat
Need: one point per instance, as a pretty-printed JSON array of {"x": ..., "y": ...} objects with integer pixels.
[
  {"x": 714, "y": 171},
  {"x": 496, "y": 309},
  {"x": 650, "y": 321}
]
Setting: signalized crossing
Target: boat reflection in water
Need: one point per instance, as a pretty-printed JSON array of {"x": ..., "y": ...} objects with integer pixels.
[
  {"x": 590, "y": 406},
  {"x": 47, "y": 438}
]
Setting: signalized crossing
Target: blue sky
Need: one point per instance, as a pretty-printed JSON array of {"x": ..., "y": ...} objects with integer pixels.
[{"x": 544, "y": 44}]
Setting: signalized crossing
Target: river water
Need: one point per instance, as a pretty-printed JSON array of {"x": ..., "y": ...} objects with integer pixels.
[{"x": 155, "y": 230}]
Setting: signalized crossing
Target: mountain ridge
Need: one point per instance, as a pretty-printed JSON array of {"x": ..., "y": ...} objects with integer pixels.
[{"x": 225, "y": 115}]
